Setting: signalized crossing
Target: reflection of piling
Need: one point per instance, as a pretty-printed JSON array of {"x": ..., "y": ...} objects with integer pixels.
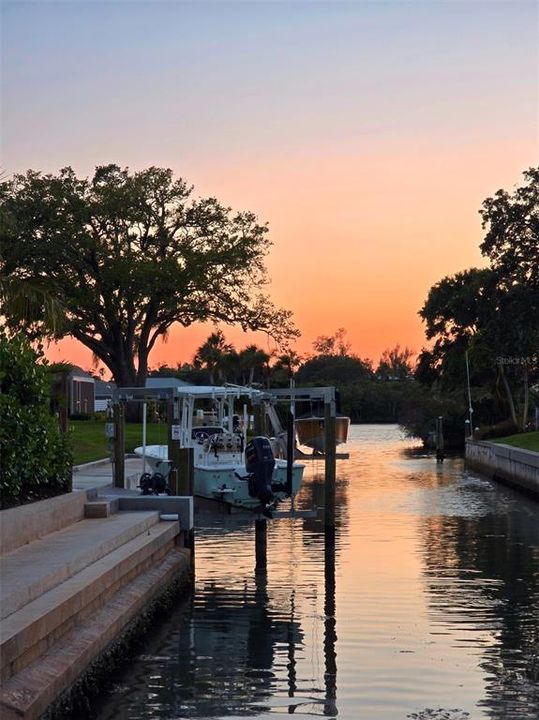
[
  {"x": 330, "y": 623},
  {"x": 292, "y": 685},
  {"x": 118, "y": 418},
  {"x": 330, "y": 462},
  {"x": 439, "y": 439},
  {"x": 261, "y": 543}
]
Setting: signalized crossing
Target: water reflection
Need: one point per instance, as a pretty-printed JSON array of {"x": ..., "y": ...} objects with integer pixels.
[
  {"x": 424, "y": 603},
  {"x": 482, "y": 573}
]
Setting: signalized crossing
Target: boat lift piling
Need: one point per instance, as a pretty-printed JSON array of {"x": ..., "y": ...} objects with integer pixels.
[
  {"x": 118, "y": 444},
  {"x": 330, "y": 463},
  {"x": 327, "y": 395},
  {"x": 261, "y": 543},
  {"x": 440, "y": 455}
]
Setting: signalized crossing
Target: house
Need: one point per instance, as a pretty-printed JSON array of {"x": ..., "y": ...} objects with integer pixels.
[{"x": 80, "y": 392}]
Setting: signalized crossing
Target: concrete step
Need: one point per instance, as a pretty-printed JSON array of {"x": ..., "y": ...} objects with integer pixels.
[
  {"x": 101, "y": 508},
  {"x": 28, "y": 632},
  {"x": 35, "y": 568},
  {"x": 30, "y": 691}
]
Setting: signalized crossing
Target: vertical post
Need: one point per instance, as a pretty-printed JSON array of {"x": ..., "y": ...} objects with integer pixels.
[
  {"x": 118, "y": 418},
  {"x": 439, "y": 439},
  {"x": 289, "y": 453},
  {"x": 261, "y": 543},
  {"x": 181, "y": 460},
  {"x": 185, "y": 457},
  {"x": 259, "y": 419},
  {"x": 470, "y": 407},
  {"x": 173, "y": 451},
  {"x": 330, "y": 445},
  {"x": 144, "y": 422}
]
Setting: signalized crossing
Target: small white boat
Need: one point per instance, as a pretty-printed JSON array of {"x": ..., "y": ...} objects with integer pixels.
[{"x": 226, "y": 466}]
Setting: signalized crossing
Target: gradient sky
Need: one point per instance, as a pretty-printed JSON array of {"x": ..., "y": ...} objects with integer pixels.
[{"x": 366, "y": 133}]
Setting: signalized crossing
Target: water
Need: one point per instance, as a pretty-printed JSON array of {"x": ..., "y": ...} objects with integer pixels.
[{"x": 433, "y": 613}]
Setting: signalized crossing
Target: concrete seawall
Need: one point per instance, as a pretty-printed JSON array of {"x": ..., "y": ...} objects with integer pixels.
[
  {"x": 80, "y": 575},
  {"x": 505, "y": 463}
]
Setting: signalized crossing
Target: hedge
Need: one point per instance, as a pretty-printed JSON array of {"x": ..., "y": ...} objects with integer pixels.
[{"x": 35, "y": 457}]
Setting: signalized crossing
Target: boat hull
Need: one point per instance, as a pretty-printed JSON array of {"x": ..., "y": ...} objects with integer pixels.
[
  {"x": 224, "y": 478},
  {"x": 310, "y": 431}
]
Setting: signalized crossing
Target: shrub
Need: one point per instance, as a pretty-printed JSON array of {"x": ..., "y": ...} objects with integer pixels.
[{"x": 35, "y": 456}]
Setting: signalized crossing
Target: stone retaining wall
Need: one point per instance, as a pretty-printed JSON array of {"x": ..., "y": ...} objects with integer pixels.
[{"x": 505, "y": 463}]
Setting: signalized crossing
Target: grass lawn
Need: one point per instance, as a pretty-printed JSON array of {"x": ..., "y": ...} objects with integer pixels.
[
  {"x": 527, "y": 441},
  {"x": 90, "y": 443}
]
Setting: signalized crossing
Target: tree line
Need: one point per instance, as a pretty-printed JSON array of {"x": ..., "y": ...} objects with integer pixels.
[{"x": 116, "y": 259}]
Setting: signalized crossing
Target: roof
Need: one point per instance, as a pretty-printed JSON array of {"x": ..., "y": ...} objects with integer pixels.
[
  {"x": 164, "y": 382},
  {"x": 104, "y": 389},
  {"x": 77, "y": 371}
]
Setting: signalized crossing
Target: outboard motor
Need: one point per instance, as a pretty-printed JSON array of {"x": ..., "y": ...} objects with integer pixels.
[{"x": 259, "y": 463}]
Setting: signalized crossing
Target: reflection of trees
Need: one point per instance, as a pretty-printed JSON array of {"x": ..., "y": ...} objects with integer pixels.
[
  {"x": 484, "y": 570},
  {"x": 312, "y": 496}
]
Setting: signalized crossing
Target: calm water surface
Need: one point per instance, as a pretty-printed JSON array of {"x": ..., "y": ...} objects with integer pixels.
[{"x": 432, "y": 611}]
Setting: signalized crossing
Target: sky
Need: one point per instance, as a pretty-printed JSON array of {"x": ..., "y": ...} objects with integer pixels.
[{"x": 367, "y": 134}]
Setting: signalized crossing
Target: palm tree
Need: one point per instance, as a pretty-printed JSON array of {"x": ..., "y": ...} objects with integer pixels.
[
  {"x": 251, "y": 359},
  {"x": 29, "y": 306},
  {"x": 212, "y": 356}
]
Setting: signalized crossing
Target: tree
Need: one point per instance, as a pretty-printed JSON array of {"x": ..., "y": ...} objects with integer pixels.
[
  {"x": 332, "y": 344},
  {"x": 494, "y": 312},
  {"x": 333, "y": 370},
  {"x": 252, "y": 361},
  {"x": 212, "y": 356},
  {"x": 36, "y": 456},
  {"x": 395, "y": 364},
  {"x": 30, "y": 307},
  {"x": 130, "y": 254},
  {"x": 512, "y": 239}
]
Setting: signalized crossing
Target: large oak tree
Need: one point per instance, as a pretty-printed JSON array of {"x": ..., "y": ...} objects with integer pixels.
[{"x": 130, "y": 254}]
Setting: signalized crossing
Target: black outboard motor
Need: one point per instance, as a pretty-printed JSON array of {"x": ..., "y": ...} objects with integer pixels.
[{"x": 259, "y": 463}]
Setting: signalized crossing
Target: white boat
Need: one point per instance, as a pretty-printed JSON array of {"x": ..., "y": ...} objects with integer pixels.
[{"x": 226, "y": 466}]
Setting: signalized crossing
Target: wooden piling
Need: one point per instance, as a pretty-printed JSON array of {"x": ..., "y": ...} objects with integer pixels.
[
  {"x": 181, "y": 475},
  {"x": 118, "y": 418},
  {"x": 259, "y": 417},
  {"x": 440, "y": 455},
  {"x": 261, "y": 543},
  {"x": 330, "y": 463}
]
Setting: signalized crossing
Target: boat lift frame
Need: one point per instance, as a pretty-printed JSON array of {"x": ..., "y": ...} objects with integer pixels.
[{"x": 182, "y": 457}]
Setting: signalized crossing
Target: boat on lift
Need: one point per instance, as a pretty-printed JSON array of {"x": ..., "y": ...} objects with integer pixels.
[
  {"x": 310, "y": 431},
  {"x": 226, "y": 466}
]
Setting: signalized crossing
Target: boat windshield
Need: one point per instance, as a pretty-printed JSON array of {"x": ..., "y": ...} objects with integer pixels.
[{"x": 205, "y": 431}]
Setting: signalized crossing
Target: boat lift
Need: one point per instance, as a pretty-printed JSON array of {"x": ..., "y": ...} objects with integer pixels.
[{"x": 182, "y": 457}]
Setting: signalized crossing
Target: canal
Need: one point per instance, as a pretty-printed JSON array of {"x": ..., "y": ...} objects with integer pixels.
[{"x": 433, "y": 615}]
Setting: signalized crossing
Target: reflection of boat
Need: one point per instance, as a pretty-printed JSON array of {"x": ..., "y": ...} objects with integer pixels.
[
  {"x": 226, "y": 466},
  {"x": 310, "y": 431}
]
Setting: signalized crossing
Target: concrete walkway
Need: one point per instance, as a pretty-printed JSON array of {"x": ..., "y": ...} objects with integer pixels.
[{"x": 99, "y": 474}]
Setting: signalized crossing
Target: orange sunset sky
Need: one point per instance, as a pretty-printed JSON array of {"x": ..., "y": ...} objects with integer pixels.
[{"x": 367, "y": 134}]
